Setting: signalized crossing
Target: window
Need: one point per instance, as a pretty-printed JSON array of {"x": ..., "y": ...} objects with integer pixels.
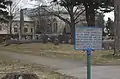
[
  {"x": 55, "y": 27},
  {"x": 25, "y": 29},
  {"x": 31, "y": 29},
  {"x": 15, "y": 27},
  {"x": 0, "y": 27},
  {"x": 15, "y": 30},
  {"x": 49, "y": 27}
]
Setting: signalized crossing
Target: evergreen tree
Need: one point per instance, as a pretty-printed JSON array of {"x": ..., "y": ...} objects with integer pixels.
[
  {"x": 109, "y": 27},
  {"x": 90, "y": 7}
]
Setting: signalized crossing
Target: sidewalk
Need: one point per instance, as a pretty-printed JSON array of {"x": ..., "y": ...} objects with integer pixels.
[{"x": 69, "y": 67}]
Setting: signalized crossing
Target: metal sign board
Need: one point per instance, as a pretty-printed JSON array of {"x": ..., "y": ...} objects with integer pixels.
[{"x": 88, "y": 37}]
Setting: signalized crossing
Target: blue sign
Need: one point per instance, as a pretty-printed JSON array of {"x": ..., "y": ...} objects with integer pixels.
[{"x": 88, "y": 37}]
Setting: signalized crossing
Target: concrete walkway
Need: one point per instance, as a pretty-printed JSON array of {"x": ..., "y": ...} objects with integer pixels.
[{"x": 69, "y": 67}]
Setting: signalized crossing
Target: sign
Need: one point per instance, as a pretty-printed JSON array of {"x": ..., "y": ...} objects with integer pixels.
[{"x": 88, "y": 37}]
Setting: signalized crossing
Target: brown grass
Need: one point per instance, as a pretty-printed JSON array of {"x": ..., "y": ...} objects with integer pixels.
[
  {"x": 8, "y": 65},
  {"x": 65, "y": 51}
]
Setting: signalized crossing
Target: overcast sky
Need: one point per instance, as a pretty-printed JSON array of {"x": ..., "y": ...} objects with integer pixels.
[{"x": 111, "y": 15}]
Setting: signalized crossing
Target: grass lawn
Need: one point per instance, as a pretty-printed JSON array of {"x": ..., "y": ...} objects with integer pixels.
[
  {"x": 8, "y": 65},
  {"x": 103, "y": 57}
]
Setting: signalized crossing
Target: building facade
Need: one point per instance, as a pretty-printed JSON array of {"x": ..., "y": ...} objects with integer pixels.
[
  {"x": 45, "y": 22},
  {"x": 27, "y": 30},
  {"x": 48, "y": 23},
  {"x": 37, "y": 21},
  {"x": 3, "y": 29}
]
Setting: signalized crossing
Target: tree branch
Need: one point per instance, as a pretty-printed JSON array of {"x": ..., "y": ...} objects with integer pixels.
[
  {"x": 80, "y": 13},
  {"x": 79, "y": 21},
  {"x": 15, "y": 5},
  {"x": 76, "y": 10},
  {"x": 67, "y": 8},
  {"x": 63, "y": 19},
  {"x": 60, "y": 17}
]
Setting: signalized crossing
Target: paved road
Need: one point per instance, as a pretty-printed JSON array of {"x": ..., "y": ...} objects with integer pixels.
[{"x": 69, "y": 67}]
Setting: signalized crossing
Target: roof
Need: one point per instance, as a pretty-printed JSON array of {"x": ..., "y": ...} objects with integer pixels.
[{"x": 26, "y": 18}]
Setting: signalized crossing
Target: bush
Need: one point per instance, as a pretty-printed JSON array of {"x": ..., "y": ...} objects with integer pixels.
[
  {"x": 45, "y": 39},
  {"x": 56, "y": 42}
]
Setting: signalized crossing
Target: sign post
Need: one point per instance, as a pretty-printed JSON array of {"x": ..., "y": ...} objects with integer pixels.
[
  {"x": 89, "y": 50},
  {"x": 88, "y": 39}
]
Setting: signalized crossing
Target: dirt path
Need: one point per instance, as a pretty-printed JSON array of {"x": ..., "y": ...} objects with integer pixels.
[{"x": 69, "y": 67}]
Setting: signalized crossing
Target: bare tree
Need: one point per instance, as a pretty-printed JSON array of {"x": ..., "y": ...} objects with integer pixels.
[
  {"x": 12, "y": 9},
  {"x": 73, "y": 13}
]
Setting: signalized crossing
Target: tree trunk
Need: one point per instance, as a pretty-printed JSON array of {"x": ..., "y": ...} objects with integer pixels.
[
  {"x": 21, "y": 24},
  {"x": 34, "y": 30},
  {"x": 8, "y": 37},
  {"x": 90, "y": 15},
  {"x": 10, "y": 22},
  {"x": 72, "y": 27},
  {"x": 117, "y": 27},
  {"x": 10, "y": 25}
]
